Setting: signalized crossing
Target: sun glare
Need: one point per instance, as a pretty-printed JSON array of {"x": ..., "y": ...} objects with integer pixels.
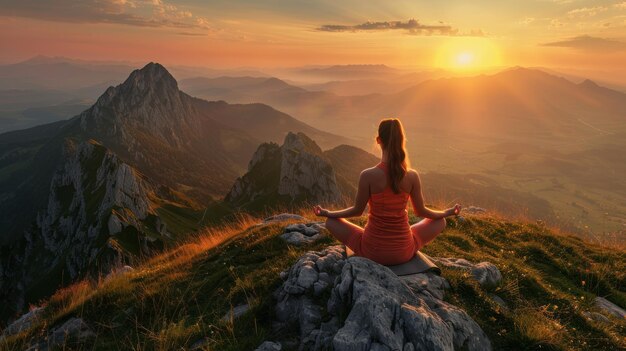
[
  {"x": 464, "y": 58},
  {"x": 467, "y": 54}
]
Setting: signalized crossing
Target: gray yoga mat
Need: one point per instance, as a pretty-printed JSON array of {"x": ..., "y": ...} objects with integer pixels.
[{"x": 420, "y": 263}]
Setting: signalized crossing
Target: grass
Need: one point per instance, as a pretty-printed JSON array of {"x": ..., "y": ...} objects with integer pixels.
[{"x": 179, "y": 297}]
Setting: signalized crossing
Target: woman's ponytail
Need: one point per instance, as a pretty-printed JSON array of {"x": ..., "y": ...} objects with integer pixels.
[{"x": 391, "y": 134}]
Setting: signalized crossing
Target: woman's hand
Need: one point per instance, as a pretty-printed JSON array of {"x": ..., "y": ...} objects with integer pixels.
[
  {"x": 454, "y": 211},
  {"x": 319, "y": 211}
]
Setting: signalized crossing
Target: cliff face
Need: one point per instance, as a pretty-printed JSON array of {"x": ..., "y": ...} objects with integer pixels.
[
  {"x": 95, "y": 218},
  {"x": 296, "y": 172}
]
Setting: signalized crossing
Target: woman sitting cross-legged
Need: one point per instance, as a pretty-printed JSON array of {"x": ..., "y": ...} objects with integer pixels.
[{"x": 387, "y": 237}]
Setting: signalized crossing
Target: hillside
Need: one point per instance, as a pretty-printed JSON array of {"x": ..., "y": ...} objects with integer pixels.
[{"x": 181, "y": 299}]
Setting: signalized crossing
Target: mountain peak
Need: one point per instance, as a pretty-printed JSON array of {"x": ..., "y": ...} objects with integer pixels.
[
  {"x": 151, "y": 75},
  {"x": 588, "y": 83},
  {"x": 301, "y": 142}
]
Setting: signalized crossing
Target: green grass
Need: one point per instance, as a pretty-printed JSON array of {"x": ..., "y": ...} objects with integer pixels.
[{"x": 179, "y": 297}]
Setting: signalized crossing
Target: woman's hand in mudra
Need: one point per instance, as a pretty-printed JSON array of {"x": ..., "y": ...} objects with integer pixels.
[
  {"x": 454, "y": 211},
  {"x": 319, "y": 211}
]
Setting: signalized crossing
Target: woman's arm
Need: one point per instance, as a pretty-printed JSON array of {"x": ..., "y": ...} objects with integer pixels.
[
  {"x": 360, "y": 201},
  {"x": 417, "y": 198}
]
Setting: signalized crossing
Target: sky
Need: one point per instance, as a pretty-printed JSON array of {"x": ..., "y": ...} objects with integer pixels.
[{"x": 578, "y": 35}]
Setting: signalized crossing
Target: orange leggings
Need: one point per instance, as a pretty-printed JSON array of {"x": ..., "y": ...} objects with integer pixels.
[{"x": 351, "y": 235}]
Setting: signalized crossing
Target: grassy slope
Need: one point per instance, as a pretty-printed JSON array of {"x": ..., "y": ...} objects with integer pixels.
[{"x": 179, "y": 297}]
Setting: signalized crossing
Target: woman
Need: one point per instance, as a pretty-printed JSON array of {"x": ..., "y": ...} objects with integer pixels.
[{"x": 388, "y": 238}]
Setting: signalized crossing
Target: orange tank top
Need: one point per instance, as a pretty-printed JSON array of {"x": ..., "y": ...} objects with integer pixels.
[{"x": 387, "y": 238}]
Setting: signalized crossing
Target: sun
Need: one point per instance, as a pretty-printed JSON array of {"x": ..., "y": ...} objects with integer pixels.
[
  {"x": 464, "y": 59},
  {"x": 467, "y": 54}
]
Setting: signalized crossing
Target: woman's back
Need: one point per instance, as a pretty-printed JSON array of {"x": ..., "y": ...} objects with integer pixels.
[
  {"x": 386, "y": 203},
  {"x": 387, "y": 237}
]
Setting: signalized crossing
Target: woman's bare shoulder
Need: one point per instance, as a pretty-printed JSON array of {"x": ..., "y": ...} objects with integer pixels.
[
  {"x": 369, "y": 172},
  {"x": 412, "y": 173}
]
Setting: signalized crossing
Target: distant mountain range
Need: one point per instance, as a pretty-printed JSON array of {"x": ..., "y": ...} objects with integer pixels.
[{"x": 516, "y": 100}]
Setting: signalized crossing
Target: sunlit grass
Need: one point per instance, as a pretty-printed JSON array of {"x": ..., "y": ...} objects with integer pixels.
[{"x": 180, "y": 296}]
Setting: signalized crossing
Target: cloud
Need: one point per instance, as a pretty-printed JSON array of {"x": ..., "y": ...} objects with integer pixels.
[
  {"x": 620, "y": 5},
  {"x": 586, "y": 11},
  {"x": 526, "y": 21},
  {"x": 191, "y": 34},
  {"x": 140, "y": 13},
  {"x": 589, "y": 43},
  {"x": 411, "y": 26}
]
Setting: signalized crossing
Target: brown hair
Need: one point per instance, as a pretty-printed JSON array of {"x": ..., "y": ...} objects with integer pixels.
[{"x": 391, "y": 134}]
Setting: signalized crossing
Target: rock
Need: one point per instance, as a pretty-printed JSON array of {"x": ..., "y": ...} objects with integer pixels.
[
  {"x": 370, "y": 308},
  {"x": 74, "y": 331},
  {"x": 474, "y": 210},
  {"x": 199, "y": 344},
  {"x": 269, "y": 346},
  {"x": 295, "y": 172},
  {"x": 284, "y": 217},
  {"x": 23, "y": 323},
  {"x": 499, "y": 301},
  {"x": 235, "y": 313},
  {"x": 298, "y": 239},
  {"x": 305, "y": 169},
  {"x": 307, "y": 229},
  {"x": 610, "y": 307},
  {"x": 486, "y": 273},
  {"x": 302, "y": 233},
  {"x": 598, "y": 317}
]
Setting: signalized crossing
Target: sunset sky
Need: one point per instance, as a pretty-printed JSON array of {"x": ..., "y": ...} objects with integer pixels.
[{"x": 582, "y": 36}]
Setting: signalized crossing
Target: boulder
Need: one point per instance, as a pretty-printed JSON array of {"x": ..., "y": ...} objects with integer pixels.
[
  {"x": 74, "y": 330},
  {"x": 23, "y": 323},
  {"x": 302, "y": 233},
  {"x": 269, "y": 346},
  {"x": 610, "y": 307},
  {"x": 235, "y": 313},
  {"x": 486, "y": 273},
  {"x": 354, "y": 303}
]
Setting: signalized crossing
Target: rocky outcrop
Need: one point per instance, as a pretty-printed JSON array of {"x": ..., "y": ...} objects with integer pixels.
[
  {"x": 609, "y": 307},
  {"x": 73, "y": 331},
  {"x": 302, "y": 233},
  {"x": 23, "y": 323},
  {"x": 94, "y": 220},
  {"x": 486, "y": 273},
  {"x": 296, "y": 172},
  {"x": 354, "y": 303},
  {"x": 305, "y": 171}
]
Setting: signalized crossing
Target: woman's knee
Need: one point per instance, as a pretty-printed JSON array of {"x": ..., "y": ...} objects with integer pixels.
[
  {"x": 440, "y": 224},
  {"x": 331, "y": 223}
]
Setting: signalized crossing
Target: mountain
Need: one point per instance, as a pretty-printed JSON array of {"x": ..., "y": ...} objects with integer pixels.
[
  {"x": 347, "y": 71},
  {"x": 125, "y": 177},
  {"x": 59, "y": 87},
  {"x": 294, "y": 173},
  {"x": 518, "y": 100},
  {"x": 348, "y": 162},
  {"x": 378, "y": 85}
]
